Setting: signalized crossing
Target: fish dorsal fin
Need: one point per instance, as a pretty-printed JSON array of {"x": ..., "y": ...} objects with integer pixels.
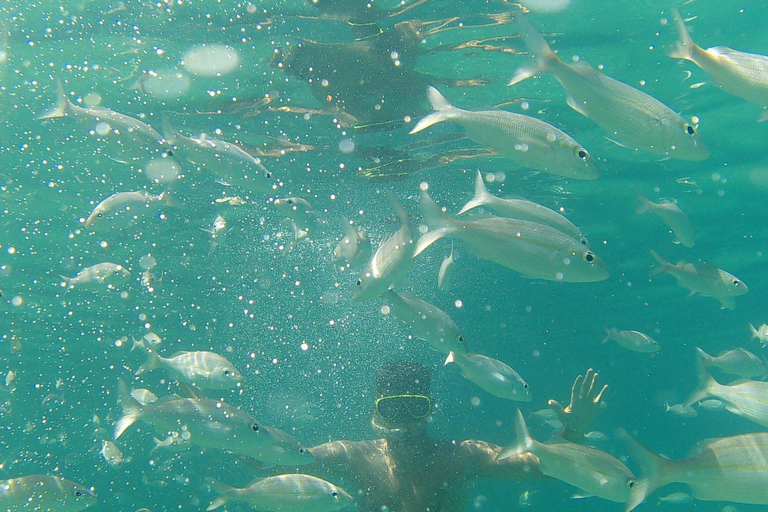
[
  {"x": 722, "y": 50},
  {"x": 707, "y": 270},
  {"x": 179, "y": 353}
]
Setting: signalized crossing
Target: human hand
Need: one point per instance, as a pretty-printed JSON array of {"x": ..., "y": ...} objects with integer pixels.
[{"x": 578, "y": 415}]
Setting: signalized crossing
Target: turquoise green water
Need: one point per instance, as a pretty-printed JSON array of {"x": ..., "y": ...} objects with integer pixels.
[{"x": 257, "y": 303}]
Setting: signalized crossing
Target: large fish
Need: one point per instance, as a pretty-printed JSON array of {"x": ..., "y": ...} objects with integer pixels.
[
  {"x": 523, "y": 139},
  {"x": 44, "y": 493},
  {"x": 204, "y": 369},
  {"x": 704, "y": 279},
  {"x": 494, "y": 376},
  {"x": 739, "y": 73},
  {"x": 519, "y": 208},
  {"x": 214, "y": 424},
  {"x": 726, "y": 469},
  {"x": 284, "y": 493},
  {"x": 635, "y": 119},
  {"x": 739, "y": 362},
  {"x": 391, "y": 262},
  {"x": 533, "y": 249},
  {"x": 591, "y": 470},
  {"x": 428, "y": 322}
]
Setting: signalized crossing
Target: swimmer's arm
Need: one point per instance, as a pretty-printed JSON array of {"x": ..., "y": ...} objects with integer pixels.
[
  {"x": 332, "y": 459},
  {"x": 577, "y": 416},
  {"x": 481, "y": 457}
]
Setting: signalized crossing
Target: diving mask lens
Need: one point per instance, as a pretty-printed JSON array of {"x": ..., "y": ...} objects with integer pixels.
[{"x": 403, "y": 406}]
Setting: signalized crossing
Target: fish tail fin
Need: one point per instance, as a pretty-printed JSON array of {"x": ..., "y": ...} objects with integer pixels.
[
  {"x": 523, "y": 442},
  {"x": 60, "y": 107},
  {"x": 656, "y": 471},
  {"x": 139, "y": 344},
  {"x": 609, "y": 331},
  {"x": 705, "y": 358},
  {"x": 442, "y": 111},
  {"x": 751, "y": 329},
  {"x": 684, "y": 46},
  {"x": 437, "y": 221},
  {"x": 664, "y": 265},
  {"x": 538, "y": 50},
  {"x": 170, "y": 132},
  {"x": 152, "y": 362},
  {"x": 645, "y": 204},
  {"x": 131, "y": 409},
  {"x": 705, "y": 384},
  {"x": 68, "y": 282},
  {"x": 224, "y": 493},
  {"x": 399, "y": 210},
  {"x": 481, "y": 195}
]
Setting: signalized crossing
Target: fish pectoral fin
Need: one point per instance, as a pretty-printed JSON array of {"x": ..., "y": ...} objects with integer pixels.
[
  {"x": 727, "y": 302},
  {"x": 578, "y": 108}
]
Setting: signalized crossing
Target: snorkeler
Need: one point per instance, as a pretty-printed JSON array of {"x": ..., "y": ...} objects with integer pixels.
[{"x": 406, "y": 470}]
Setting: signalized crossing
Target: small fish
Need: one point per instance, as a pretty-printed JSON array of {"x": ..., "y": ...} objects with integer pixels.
[
  {"x": 519, "y": 208},
  {"x": 301, "y": 214},
  {"x": 111, "y": 453},
  {"x": 284, "y": 493},
  {"x": 761, "y": 334},
  {"x": 672, "y": 216},
  {"x": 676, "y": 498},
  {"x": 123, "y": 209},
  {"x": 115, "y": 121},
  {"x": 228, "y": 161},
  {"x": 427, "y": 322},
  {"x": 724, "y": 469},
  {"x": 738, "y": 73},
  {"x": 532, "y": 249},
  {"x": 635, "y": 341},
  {"x": 596, "y": 436},
  {"x": 593, "y": 471},
  {"x": 213, "y": 424},
  {"x": 391, "y": 262},
  {"x": 203, "y": 369},
  {"x": 44, "y": 493},
  {"x": 354, "y": 250},
  {"x": 523, "y": 139},
  {"x": 635, "y": 119},
  {"x": 711, "y": 404},
  {"x": 217, "y": 228},
  {"x": 739, "y": 362},
  {"x": 143, "y": 396},
  {"x": 102, "y": 276},
  {"x": 492, "y": 375},
  {"x": 682, "y": 410},
  {"x": 174, "y": 443},
  {"x": 704, "y": 279},
  {"x": 445, "y": 274}
]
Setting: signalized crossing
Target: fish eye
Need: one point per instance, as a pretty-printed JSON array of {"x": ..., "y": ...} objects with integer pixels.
[
  {"x": 460, "y": 338},
  {"x": 582, "y": 153},
  {"x": 525, "y": 385},
  {"x": 78, "y": 493},
  {"x": 583, "y": 241},
  {"x": 334, "y": 493},
  {"x": 289, "y": 201},
  {"x": 359, "y": 282},
  {"x": 631, "y": 483},
  {"x": 689, "y": 129},
  {"x": 255, "y": 427},
  {"x": 169, "y": 153},
  {"x": 227, "y": 372},
  {"x": 736, "y": 282},
  {"x": 268, "y": 175},
  {"x": 589, "y": 257}
]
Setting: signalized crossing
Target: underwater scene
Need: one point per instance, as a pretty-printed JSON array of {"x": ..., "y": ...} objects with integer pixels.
[{"x": 386, "y": 256}]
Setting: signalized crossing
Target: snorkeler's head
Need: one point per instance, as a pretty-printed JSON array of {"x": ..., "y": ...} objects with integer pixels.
[{"x": 402, "y": 403}]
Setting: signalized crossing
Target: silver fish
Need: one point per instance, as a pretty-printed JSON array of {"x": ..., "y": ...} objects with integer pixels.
[
  {"x": 354, "y": 249},
  {"x": 301, "y": 214},
  {"x": 102, "y": 276},
  {"x": 391, "y": 262},
  {"x": 114, "y": 120},
  {"x": 761, "y": 334},
  {"x": 494, "y": 376},
  {"x": 206, "y": 370},
  {"x": 682, "y": 410},
  {"x": 428, "y": 322},
  {"x": 213, "y": 424},
  {"x": 523, "y": 139},
  {"x": 635, "y": 341},
  {"x": 671, "y": 215},
  {"x": 636, "y": 119},
  {"x": 738, "y": 73},
  {"x": 284, "y": 493},
  {"x": 445, "y": 274},
  {"x": 111, "y": 453},
  {"x": 228, "y": 161},
  {"x": 44, "y": 493},
  {"x": 587, "y": 468},
  {"x": 739, "y": 362},
  {"x": 533, "y": 249},
  {"x": 725, "y": 469},
  {"x": 704, "y": 279},
  {"x": 745, "y": 398},
  {"x": 519, "y": 208},
  {"x": 123, "y": 209}
]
